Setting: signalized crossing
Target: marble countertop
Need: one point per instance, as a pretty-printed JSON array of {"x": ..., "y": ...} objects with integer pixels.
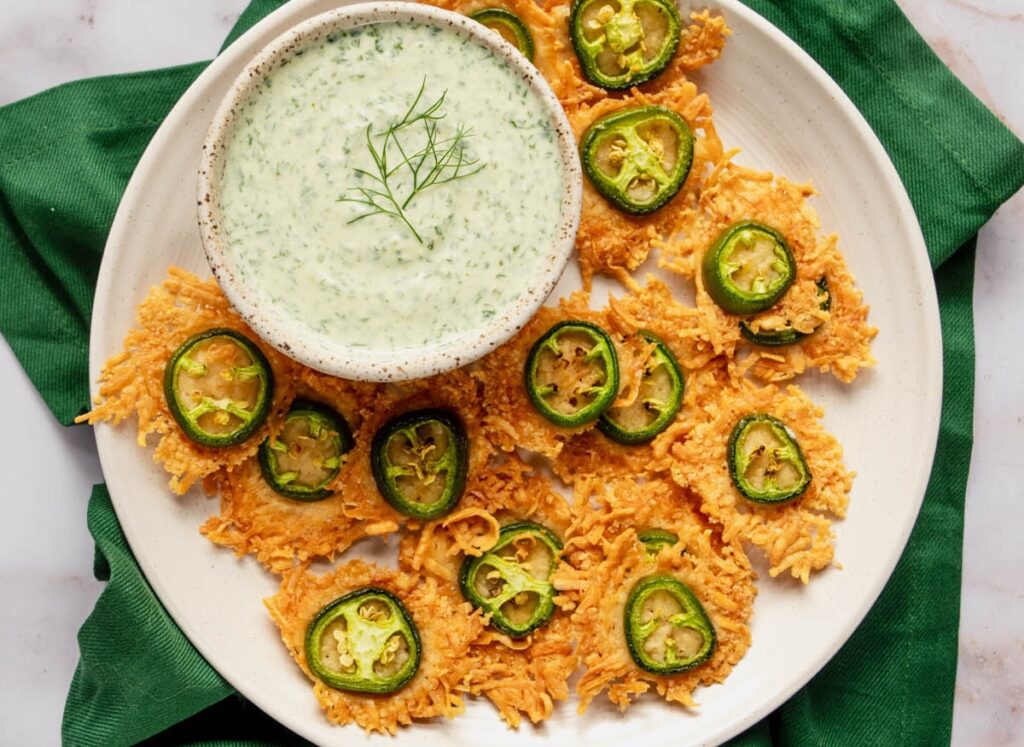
[{"x": 45, "y": 574}]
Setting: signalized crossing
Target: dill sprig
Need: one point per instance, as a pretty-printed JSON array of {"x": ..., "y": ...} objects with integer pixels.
[{"x": 439, "y": 161}]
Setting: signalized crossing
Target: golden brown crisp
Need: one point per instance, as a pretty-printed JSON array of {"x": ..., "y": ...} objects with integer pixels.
[
  {"x": 610, "y": 241},
  {"x": 447, "y": 626},
  {"x": 456, "y": 391},
  {"x": 282, "y": 532},
  {"x": 510, "y": 420},
  {"x": 795, "y": 536},
  {"x": 132, "y": 381},
  {"x": 523, "y": 677},
  {"x": 591, "y": 452},
  {"x": 606, "y": 559},
  {"x": 548, "y": 57},
  {"x": 656, "y": 307},
  {"x": 509, "y": 490},
  {"x": 842, "y": 342},
  {"x": 701, "y": 43},
  {"x": 279, "y": 531}
]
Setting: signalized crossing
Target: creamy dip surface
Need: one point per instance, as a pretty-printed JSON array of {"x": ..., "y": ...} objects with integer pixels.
[{"x": 299, "y": 143}]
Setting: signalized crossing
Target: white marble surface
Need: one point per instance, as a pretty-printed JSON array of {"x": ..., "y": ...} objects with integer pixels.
[{"x": 45, "y": 573}]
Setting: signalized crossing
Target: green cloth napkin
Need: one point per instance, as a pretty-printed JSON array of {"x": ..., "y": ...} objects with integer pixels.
[{"x": 65, "y": 158}]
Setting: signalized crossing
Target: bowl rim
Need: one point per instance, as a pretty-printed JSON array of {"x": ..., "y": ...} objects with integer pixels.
[{"x": 294, "y": 339}]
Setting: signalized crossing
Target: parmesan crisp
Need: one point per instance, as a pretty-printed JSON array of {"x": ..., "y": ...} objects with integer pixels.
[{"x": 447, "y": 627}]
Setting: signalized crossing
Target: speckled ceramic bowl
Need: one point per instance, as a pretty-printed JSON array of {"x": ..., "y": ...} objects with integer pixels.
[{"x": 331, "y": 354}]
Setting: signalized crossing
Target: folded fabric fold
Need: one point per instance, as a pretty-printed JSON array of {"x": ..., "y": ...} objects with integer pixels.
[
  {"x": 137, "y": 674},
  {"x": 65, "y": 158}
]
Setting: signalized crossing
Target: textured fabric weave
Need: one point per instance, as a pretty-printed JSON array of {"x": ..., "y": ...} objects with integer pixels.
[{"x": 65, "y": 158}]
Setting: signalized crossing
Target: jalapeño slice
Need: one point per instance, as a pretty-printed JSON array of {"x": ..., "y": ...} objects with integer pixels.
[
  {"x": 364, "y": 642},
  {"x": 622, "y": 43},
  {"x": 656, "y": 404},
  {"x": 512, "y": 580},
  {"x": 308, "y": 453},
  {"x": 638, "y": 158},
  {"x": 219, "y": 387},
  {"x": 765, "y": 461},
  {"x": 419, "y": 462},
  {"x": 787, "y": 334},
  {"x": 667, "y": 629},
  {"x": 748, "y": 268},
  {"x": 509, "y": 26},
  {"x": 572, "y": 373},
  {"x": 655, "y": 540}
]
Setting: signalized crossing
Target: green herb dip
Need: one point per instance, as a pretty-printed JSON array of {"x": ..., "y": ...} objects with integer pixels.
[{"x": 298, "y": 144}]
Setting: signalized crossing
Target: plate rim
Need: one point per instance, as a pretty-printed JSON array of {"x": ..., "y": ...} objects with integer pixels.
[{"x": 914, "y": 244}]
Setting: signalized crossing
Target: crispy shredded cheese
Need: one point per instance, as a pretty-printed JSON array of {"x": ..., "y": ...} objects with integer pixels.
[
  {"x": 447, "y": 627},
  {"x": 612, "y": 242},
  {"x": 700, "y": 44},
  {"x": 796, "y": 536},
  {"x": 473, "y": 531},
  {"x": 520, "y": 677},
  {"x": 280, "y": 532},
  {"x": 510, "y": 420},
  {"x": 842, "y": 344},
  {"x": 132, "y": 381},
  {"x": 605, "y": 560}
]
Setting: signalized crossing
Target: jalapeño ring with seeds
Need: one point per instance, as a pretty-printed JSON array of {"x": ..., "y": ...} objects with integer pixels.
[
  {"x": 623, "y": 43},
  {"x": 657, "y": 402},
  {"x": 748, "y": 268},
  {"x": 219, "y": 387},
  {"x": 364, "y": 642},
  {"x": 638, "y": 158},
  {"x": 419, "y": 462},
  {"x": 572, "y": 373},
  {"x": 667, "y": 629},
  {"x": 509, "y": 26},
  {"x": 765, "y": 461},
  {"x": 512, "y": 580},
  {"x": 303, "y": 459}
]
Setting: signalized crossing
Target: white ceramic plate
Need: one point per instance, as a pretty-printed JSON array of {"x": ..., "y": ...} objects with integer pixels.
[{"x": 775, "y": 102}]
